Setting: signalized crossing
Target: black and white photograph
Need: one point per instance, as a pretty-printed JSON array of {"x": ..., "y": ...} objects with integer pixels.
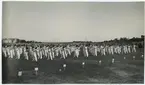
[{"x": 72, "y": 42}]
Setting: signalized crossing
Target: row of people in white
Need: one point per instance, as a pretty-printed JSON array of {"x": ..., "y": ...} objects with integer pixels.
[{"x": 64, "y": 52}]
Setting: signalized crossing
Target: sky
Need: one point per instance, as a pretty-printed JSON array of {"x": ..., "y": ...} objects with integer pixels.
[{"x": 67, "y": 21}]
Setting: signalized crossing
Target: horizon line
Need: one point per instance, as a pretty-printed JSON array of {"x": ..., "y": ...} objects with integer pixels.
[{"x": 72, "y": 40}]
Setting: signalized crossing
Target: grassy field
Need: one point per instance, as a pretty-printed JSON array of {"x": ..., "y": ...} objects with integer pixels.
[{"x": 122, "y": 71}]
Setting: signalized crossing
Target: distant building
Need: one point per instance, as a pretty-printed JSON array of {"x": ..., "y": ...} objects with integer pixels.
[{"x": 9, "y": 40}]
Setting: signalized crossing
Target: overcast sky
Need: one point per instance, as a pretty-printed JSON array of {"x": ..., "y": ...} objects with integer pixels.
[{"x": 47, "y": 21}]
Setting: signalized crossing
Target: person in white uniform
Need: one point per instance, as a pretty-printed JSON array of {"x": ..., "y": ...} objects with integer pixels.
[
  {"x": 86, "y": 51},
  {"x": 134, "y": 48},
  {"x": 77, "y": 52},
  {"x": 4, "y": 51},
  {"x": 96, "y": 50}
]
